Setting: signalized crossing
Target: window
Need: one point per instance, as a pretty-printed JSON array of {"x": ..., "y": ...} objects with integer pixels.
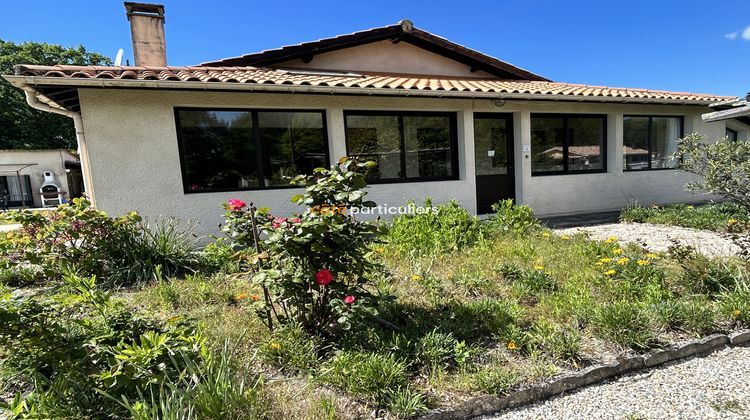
[
  {"x": 731, "y": 134},
  {"x": 568, "y": 143},
  {"x": 407, "y": 146},
  {"x": 650, "y": 141},
  {"x": 228, "y": 150}
]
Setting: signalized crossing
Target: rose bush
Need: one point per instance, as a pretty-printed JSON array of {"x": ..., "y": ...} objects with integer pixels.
[{"x": 313, "y": 267}]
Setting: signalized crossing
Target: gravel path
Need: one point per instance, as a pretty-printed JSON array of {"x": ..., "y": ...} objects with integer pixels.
[
  {"x": 712, "y": 387},
  {"x": 6, "y": 228},
  {"x": 659, "y": 237}
]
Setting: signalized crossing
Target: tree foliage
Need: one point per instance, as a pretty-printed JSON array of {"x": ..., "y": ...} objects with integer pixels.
[
  {"x": 22, "y": 127},
  {"x": 724, "y": 167}
]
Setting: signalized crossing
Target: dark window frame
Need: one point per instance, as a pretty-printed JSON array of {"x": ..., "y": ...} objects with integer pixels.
[
  {"x": 452, "y": 122},
  {"x": 256, "y": 139},
  {"x": 650, "y": 146},
  {"x": 566, "y": 140},
  {"x": 736, "y": 133}
]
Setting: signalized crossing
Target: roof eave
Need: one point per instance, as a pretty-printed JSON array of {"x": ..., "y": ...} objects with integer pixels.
[{"x": 37, "y": 82}]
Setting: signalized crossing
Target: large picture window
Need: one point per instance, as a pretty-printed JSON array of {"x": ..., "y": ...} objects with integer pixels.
[
  {"x": 650, "y": 141},
  {"x": 568, "y": 143},
  {"x": 228, "y": 150},
  {"x": 407, "y": 146}
]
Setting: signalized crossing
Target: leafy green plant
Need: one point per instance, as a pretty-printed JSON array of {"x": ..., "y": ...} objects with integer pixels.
[
  {"x": 450, "y": 227},
  {"x": 64, "y": 346},
  {"x": 494, "y": 380},
  {"x": 314, "y": 268},
  {"x": 369, "y": 375},
  {"x": 512, "y": 218},
  {"x": 122, "y": 250},
  {"x": 625, "y": 323},
  {"x": 290, "y": 347},
  {"x": 713, "y": 216},
  {"x": 723, "y": 166},
  {"x": 406, "y": 403},
  {"x": 552, "y": 340}
]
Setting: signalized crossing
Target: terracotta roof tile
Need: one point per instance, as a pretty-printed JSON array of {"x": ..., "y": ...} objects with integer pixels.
[{"x": 253, "y": 75}]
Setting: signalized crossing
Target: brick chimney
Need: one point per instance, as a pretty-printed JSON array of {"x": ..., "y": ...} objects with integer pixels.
[{"x": 147, "y": 30}]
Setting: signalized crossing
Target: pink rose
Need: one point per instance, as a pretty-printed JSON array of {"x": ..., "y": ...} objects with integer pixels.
[
  {"x": 323, "y": 277},
  {"x": 278, "y": 222},
  {"x": 349, "y": 299},
  {"x": 295, "y": 220},
  {"x": 236, "y": 204}
]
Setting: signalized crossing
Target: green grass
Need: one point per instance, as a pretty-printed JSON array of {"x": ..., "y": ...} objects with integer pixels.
[{"x": 718, "y": 217}]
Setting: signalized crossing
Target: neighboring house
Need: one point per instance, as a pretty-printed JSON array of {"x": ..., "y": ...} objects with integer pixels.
[
  {"x": 22, "y": 175},
  {"x": 736, "y": 115},
  {"x": 441, "y": 120}
]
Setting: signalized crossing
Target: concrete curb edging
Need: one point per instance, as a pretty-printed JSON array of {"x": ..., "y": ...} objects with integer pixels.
[{"x": 491, "y": 404}]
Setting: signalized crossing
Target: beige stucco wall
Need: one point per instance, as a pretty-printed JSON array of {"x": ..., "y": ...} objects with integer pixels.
[
  {"x": 135, "y": 164},
  {"x": 385, "y": 56},
  {"x": 44, "y": 160}
]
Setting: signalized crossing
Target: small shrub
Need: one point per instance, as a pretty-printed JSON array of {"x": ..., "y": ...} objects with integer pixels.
[
  {"x": 123, "y": 250},
  {"x": 218, "y": 256},
  {"x": 450, "y": 228},
  {"x": 735, "y": 304},
  {"x": 696, "y": 316},
  {"x": 704, "y": 275},
  {"x": 625, "y": 323},
  {"x": 552, "y": 340},
  {"x": 314, "y": 268},
  {"x": 406, "y": 403},
  {"x": 494, "y": 380},
  {"x": 512, "y": 218},
  {"x": 368, "y": 375},
  {"x": 534, "y": 282},
  {"x": 438, "y": 350}
]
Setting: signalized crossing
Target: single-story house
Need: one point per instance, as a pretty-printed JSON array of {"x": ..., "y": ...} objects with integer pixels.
[
  {"x": 22, "y": 175},
  {"x": 440, "y": 119}
]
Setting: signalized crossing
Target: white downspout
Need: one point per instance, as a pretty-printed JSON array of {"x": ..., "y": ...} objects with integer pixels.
[{"x": 33, "y": 101}]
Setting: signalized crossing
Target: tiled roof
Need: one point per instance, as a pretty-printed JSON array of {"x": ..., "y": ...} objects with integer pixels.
[
  {"x": 402, "y": 31},
  {"x": 346, "y": 81}
]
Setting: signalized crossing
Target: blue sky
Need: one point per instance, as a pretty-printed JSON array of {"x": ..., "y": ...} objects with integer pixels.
[{"x": 672, "y": 45}]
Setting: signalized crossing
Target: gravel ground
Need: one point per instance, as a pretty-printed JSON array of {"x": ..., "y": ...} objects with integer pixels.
[
  {"x": 5, "y": 228},
  {"x": 712, "y": 387},
  {"x": 659, "y": 237}
]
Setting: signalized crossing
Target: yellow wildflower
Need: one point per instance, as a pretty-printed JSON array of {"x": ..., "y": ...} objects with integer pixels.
[
  {"x": 610, "y": 273},
  {"x": 731, "y": 221},
  {"x": 539, "y": 267},
  {"x": 599, "y": 263},
  {"x": 511, "y": 345},
  {"x": 416, "y": 277},
  {"x": 565, "y": 237},
  {"x": 617, "y": 251},
  {"x": 736, "y": 312},
  {"x": 651, "y": 256},
  {"x": 545, "y": 234},
  {"x": 380, "y": 250},
  {"x": 242, "y": 296},
  {"x": 623, "y": 261},
  {"x": 605, "y": 260},
  {"x": 275, "y": 345},
  {"x": 691, "y": 207},
  {"x": 611, "y": 239},
  {"x": 643, "y": 262}
]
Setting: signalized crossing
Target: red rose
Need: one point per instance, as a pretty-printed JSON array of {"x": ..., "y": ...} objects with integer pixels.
[
  {"x": 236, "y": 204},
  {"x": 323, "y": 277},
  {"x": 349, "y": 299},
  {"x": 296, "y": 220},
  {"x": 278, "y": 222}
]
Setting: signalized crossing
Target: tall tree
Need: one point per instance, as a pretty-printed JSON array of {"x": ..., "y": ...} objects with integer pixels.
[{"x": 22, "y": 127}]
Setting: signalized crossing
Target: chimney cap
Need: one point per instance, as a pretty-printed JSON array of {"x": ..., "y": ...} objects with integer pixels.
[{"x": 144, "y": 9}]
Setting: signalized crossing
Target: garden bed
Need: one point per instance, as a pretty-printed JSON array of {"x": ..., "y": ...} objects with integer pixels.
[{"x": 461, "y": 309}]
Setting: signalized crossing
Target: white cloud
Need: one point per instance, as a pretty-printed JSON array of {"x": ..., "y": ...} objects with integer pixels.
[{"x": 742, "y": 33}]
